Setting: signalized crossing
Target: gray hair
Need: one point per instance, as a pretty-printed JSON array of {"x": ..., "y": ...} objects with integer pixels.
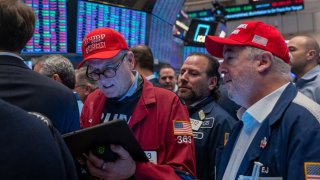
[
  {"x": 82, "y": 77},
  {"x": 58, "y": 64},
  {"x": 278, "y": 65}
]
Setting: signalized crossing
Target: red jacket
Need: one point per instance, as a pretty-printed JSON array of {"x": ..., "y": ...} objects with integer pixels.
[{"x": 152, "y": 123}]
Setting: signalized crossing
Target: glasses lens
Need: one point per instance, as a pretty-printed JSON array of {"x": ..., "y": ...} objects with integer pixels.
[
  {"x": 93, "y": 76},
  {"x": 109, "y": 72}
]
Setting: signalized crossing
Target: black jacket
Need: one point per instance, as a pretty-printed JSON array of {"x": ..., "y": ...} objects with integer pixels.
[
  {"x": 30, "y": 149},
  {"x": 34, "y": 92}
]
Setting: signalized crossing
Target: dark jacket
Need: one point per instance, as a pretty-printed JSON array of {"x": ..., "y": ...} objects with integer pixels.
[
  {"x": 31, "y": 150},
  {"x": 34, "y": 92},
  {"x": 212, "y": 134},
  {"x": 286, "y": 143}
]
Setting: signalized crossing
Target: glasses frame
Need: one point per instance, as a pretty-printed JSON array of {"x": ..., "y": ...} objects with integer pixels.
[{"x": 115, "y": 69}]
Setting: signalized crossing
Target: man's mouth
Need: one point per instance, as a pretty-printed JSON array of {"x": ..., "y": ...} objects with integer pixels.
[
  {"x": 107, "y": 86},
  {"x": 227, "y": 79}
]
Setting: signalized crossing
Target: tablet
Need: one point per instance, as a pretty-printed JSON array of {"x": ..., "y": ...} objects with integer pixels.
[{"x": 113, "y": 132}]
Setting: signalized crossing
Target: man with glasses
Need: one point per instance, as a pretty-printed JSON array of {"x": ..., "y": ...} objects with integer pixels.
[{"x": 157, "y": 117}]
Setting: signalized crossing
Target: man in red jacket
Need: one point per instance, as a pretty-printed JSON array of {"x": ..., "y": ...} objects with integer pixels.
[{"x": 158, "y": 119}]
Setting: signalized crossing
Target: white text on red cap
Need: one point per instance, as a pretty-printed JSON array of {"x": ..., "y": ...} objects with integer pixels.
[
  {"x": 94, "y": 42},
  {"x": 237, "y": 30}
]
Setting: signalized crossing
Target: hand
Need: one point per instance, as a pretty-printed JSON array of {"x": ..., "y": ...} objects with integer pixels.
[{"x": 123, "y": 168}]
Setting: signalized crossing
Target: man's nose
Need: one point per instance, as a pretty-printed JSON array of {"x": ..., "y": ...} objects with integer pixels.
[{"x": 222, "y": 68}]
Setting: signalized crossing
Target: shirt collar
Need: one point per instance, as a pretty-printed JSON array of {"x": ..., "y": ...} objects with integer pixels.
[
  {"x": 11, "y": 54},
  {"x": 312, "y": 73},
  {"x": 150, "y": 77},
  {"x": 133, "y": 86},
  {"x": 261, "y": 109}
]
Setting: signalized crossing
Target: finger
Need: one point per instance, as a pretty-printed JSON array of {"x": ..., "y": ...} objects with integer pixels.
[
  {"x": 119, "y": 150},
  {"x": 95, "y": 160},
  {"x": 96, "y": 172}
]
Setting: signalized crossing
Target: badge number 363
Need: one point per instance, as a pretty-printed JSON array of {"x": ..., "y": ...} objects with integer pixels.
[{"x": 184, "y": 139}]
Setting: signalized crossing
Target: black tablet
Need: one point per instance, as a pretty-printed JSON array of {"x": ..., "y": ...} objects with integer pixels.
[{"x": 113, "y": 132}]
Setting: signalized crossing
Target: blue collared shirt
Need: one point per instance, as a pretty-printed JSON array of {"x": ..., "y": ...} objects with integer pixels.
[{"x": 133, "y": 86}]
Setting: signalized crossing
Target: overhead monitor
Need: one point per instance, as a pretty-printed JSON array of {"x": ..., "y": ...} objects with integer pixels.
[
  {"x": 198, "y": 30},
  {"x": 181, "y": 26},
  {"x": 50, "y": 35},
  {"x": 252, "y": 9},
  {"x": 130, "y": 23}
]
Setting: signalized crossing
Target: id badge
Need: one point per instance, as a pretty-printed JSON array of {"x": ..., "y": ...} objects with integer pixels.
[
  {"x": 196, "y": 124},
  {"x": 152, "y": 156}
]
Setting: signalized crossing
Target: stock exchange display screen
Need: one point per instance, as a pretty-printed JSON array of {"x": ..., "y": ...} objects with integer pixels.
[
  {"x": 50, "y": 34},
  {"x": 130, "y": 23},
  {"x": 166, "y": 10},
  {"x": 161, "y": 39},
  {"x": 191, "y": 49}
]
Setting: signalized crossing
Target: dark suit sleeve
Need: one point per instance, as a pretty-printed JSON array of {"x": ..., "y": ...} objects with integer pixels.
[{"x": 72, "y": 119}]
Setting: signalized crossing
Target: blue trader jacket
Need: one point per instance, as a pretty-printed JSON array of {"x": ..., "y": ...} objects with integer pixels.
[
  {"x": 211, "y": 134},
  {"x": 287, "y": 143}
]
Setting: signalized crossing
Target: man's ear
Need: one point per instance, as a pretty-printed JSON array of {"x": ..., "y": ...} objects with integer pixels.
[
  {"x": 311, "y": 54},
  {"x": 131, "y": 60},
  {"x": 56, "y": 77},
  {"x": 88, "y": 89},
  {"x": 212, "y": 82},
  {"x": 265, "y": 61}
]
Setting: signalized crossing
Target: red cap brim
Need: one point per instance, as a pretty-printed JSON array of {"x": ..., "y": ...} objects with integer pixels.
[
  {"x": 215, "y": 44},
  {"x": 99, "y": 55}
]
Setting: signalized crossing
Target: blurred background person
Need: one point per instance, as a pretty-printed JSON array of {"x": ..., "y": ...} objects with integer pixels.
[
  {"x": 167, "y": 78},
  {"x": 304, "y": 64},
  {"x": 37, "y": 62},
  {"x": 84, "y": 85},
  {"x": 144, "y": 63},
  {"x": 60, "y": 69}
]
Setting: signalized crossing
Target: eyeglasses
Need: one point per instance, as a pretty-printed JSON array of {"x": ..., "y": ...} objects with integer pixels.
[{"x": 108, "y": 72}]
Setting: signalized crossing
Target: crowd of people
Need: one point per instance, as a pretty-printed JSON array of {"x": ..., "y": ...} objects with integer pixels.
[{"x": 257, "y": 120}]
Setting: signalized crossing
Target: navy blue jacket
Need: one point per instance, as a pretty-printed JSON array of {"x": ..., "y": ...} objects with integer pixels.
[
  {"x": 34, "y": 92},
  {"x": 211, "y": 135},
  {"x": 292, "y": 133},
  {"x": 30, "y": 149}
]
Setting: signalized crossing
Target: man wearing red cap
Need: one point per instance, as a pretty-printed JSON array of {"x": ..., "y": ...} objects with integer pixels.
[
  {"x": 156, "y": 116},
  {"x": 279, "y": 127}
]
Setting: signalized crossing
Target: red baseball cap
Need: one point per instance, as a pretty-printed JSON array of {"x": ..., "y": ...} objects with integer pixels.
[
  {"x": 102, "y": 43},
  {"x": 251, "y": 33}
]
